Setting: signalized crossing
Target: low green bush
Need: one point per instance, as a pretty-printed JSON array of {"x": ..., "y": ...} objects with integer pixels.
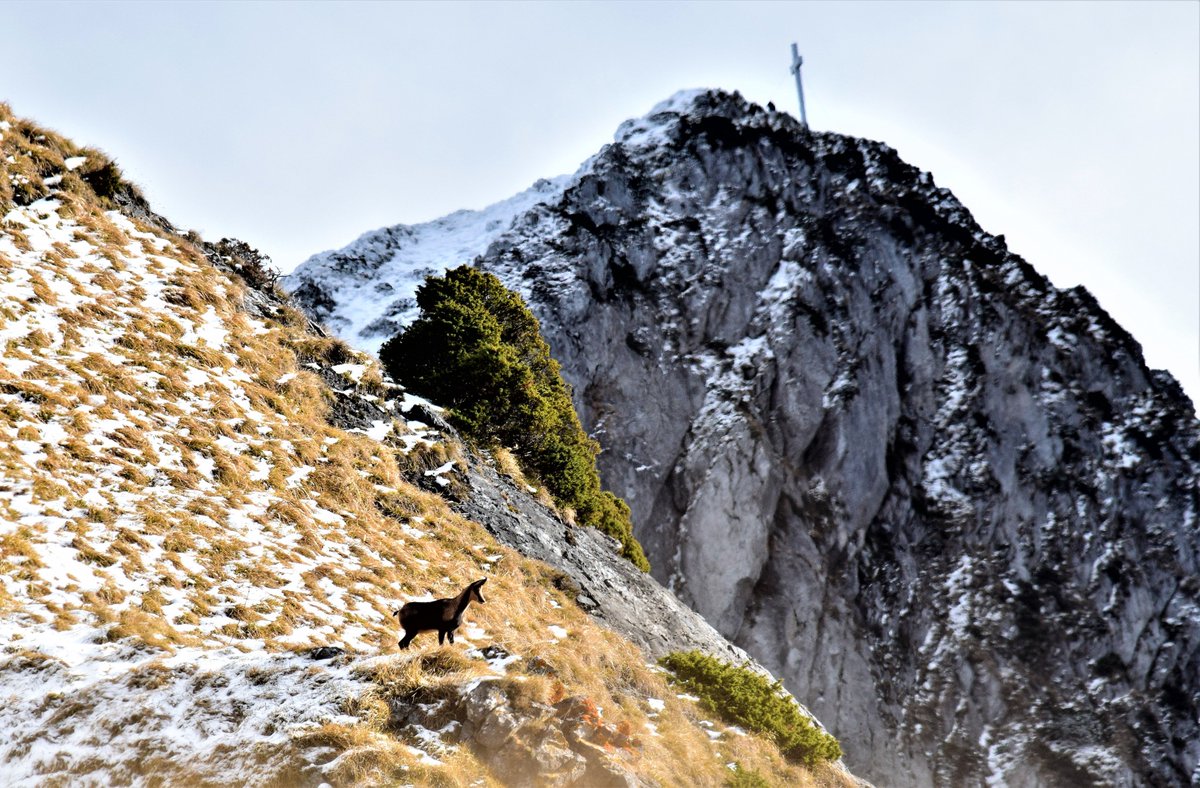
[
  {"x": 746, "y": 778},
  {"x": 743, "y": 697},
  {"x": 478, "y": 350}
]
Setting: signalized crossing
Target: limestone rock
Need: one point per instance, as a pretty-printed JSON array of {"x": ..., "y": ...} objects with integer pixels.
[
  {"x": 480, "y": 702},
  {"x": 496, "y": 729}
]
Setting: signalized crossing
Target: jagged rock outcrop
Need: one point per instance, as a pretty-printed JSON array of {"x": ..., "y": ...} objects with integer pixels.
[{"x": 947, "y": 502}]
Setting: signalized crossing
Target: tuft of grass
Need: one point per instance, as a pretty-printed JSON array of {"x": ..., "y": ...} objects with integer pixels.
[
  {"x": 148, "y": 628},
  {"x": 324, "y": 350},
  {"x": 88, "y": 552},
  {"x": 18, "y": 544},
  {"x": 367, "y": 757}
]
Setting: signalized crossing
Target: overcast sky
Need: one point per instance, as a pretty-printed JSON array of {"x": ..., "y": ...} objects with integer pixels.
[{"x": 1072, "y": 128}]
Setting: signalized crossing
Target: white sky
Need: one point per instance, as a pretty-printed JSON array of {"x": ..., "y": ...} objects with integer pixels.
[{"x": 1071, "y": 128}]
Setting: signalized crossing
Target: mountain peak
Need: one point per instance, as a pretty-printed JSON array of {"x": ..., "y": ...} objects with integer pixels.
[
  {"x": 699, "y": 109},
  {"x": 656, "y": 126},
  {"x": 876, "y": 448}
]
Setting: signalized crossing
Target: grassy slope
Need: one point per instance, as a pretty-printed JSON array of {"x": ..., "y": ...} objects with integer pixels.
[{"x": 178, "y": 520}]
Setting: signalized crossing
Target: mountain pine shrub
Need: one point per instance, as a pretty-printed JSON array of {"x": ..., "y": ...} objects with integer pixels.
[
  {"x": 746, "y": 778},
  {"x": 477, "y": 349},
  {"x": 743, "y": 697}
]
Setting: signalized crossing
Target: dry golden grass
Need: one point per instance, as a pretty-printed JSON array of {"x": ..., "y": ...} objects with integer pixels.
[
  {"x": 368, "y": 758},
  {"x": 508, "y": 464}
]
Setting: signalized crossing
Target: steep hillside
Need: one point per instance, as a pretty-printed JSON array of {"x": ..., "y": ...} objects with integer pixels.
[
  {"x": 208, "y": 512},
  {"x": 947, "y": 502}
]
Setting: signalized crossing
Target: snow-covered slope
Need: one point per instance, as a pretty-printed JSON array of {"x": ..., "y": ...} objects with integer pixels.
[
  {"x": 376, "y": 277},
  {"x": 208, "y": 511},
  {"x": 154, "y": 577},
  {"x": 947, "y": 502},
  {"x": 125, "y": 409}
]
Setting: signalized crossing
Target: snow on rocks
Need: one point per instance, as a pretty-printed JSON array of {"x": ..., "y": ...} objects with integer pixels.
[
  {"x": 655, "y": 129},
  {"x": 352, "y": 371},
  {"x": 439, "y": 474},
  {"x": 402, "y": 256}
]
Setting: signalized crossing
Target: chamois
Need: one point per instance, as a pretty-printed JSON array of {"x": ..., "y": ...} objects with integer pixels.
[{"x": 444, "y": 615}]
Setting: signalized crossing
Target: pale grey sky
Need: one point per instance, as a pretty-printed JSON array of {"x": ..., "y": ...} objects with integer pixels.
[{"x": 1071, "y": 128}]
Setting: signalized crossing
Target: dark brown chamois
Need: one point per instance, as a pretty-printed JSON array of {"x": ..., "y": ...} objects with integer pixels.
[{"x": 444, "y": 615}]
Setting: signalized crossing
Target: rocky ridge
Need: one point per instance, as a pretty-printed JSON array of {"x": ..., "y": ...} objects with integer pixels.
[
  {"x": 208, "y": 510},
  {"x": 946, "y": 501}
]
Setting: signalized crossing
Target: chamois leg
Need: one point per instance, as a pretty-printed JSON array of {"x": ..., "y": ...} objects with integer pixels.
[
  {"x": 450, "y": 634},
  {"x": 442, "y": 637},
  {"x": 408, "y": 636}
]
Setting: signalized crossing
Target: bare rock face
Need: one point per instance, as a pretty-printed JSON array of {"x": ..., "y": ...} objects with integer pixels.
[
  {"x": 946, "y": 502},
  {"x": 611, "y": 589}
]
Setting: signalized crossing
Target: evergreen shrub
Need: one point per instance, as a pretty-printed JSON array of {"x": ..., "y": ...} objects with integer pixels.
[
  {"x": 478, "y": 350},
  {"x": 746, "y": 778},
  {"x": 743, "y": 697}
]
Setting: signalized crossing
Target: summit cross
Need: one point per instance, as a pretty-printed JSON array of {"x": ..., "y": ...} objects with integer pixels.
[{"x": 798, "y": 61}]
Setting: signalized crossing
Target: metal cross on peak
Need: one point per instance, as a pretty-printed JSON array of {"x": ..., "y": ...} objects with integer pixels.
[{"x": 797, "y": 62}]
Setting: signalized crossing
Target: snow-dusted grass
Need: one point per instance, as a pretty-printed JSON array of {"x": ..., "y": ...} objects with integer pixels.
[
  {"x": 173, "y": 505},
  {"x": 95, "y": 711},
  {"x": 149, "y": 418}
]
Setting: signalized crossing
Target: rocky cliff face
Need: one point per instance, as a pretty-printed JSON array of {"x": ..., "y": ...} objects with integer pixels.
[{"x": 947, "y": 502}]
